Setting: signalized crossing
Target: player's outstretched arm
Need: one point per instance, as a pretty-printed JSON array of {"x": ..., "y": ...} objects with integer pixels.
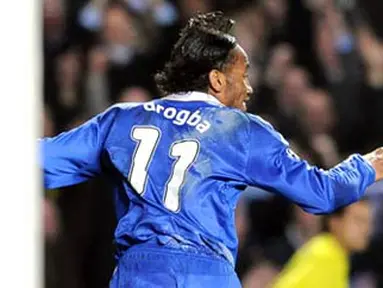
[
  {"x": 273, "y": 166},
  {"x": 73, "y": 157}
]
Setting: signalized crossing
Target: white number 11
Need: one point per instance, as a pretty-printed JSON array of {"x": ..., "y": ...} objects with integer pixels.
[{"x": 184, "y": 152}]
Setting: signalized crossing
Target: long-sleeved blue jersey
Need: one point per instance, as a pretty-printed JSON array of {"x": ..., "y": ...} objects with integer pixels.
[{"x": 178, "y": 166}]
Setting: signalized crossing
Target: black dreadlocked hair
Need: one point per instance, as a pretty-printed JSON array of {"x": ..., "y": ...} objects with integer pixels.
[{"x": 204, "y": 44}]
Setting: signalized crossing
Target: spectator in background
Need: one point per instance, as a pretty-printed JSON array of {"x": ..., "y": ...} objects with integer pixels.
[
  {"x": 371, "y": 49},
  {"x": 317, "y": 121},
  {"x": 188, "y": 8},
  {"x": 275, "y": 12},
  {"x": 162, "y": 12},
  {"x": 367, "y": 267},
  {"x": 135, "y": 94},
  {"x": 48, "y": 126},
  {"x": 97, "y": 92},
  {"x": 125, "y": 38},
  {"x": 324, "y": 260},
  {"x": 300, "y": 229},
  {"x": 54, "y": 43},
  {"x": 280, "y": 62},
  {"x": 260, "y": 276},
  {"x": 294, "y": 87},
  {"x": 68, "y": 77},
  {"x": 317, "y": 112},
  {"x": 251, "y": 32}
]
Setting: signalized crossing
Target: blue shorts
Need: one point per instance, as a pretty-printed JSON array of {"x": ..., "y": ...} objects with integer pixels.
[{"x": 156, "y": 267}]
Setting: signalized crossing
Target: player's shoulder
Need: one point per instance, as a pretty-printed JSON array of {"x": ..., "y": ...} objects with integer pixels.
[
  {"x": 119, "y": 110},
  {"x": 262, "y": 127},
  {"x": 230, "y": 116},
  {"x": 258, "y": 121},
  {"x": 125, "y": 106}
]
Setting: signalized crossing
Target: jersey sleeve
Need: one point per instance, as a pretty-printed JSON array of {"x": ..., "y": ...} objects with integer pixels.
[
  {"x": 73, "y": 157},
  {"x": 273, "y": 166}
]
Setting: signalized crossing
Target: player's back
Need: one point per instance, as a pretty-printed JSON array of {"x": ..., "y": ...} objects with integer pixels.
[
  {"x": 178, "y": 161},
  {"x": 178, "y": 165}
]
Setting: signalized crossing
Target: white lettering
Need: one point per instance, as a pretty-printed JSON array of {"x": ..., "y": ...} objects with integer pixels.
[
  {"x": 160, "y": 108},
  {"x": 179, "y": 117},
  {"x": 149, "y": 106},
  {"x": 194, "y": 119},
  {"x": 170, "y": 112},
  {"x": 203, "y": 127}
]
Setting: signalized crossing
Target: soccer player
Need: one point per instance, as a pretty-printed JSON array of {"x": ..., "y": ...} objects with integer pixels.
[
  {"x": 324, "y": 260},
  {"x": 178, "y": 165}
]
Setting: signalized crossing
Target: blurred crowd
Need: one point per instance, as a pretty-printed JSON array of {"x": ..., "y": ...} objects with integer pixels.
[{"x": 317, "y": 73}]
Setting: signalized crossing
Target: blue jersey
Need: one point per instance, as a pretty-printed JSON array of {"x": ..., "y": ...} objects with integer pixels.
[{"x": 178, "y": 166}]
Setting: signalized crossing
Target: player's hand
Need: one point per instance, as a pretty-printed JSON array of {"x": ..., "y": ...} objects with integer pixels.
[{"x": 376, "y": 160}]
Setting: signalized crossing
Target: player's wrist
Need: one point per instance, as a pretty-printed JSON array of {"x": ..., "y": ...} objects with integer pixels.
[{"x": 375, "y": 158}]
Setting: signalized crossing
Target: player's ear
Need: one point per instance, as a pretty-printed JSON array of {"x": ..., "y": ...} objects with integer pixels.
[{"x": 217, "y": 80}]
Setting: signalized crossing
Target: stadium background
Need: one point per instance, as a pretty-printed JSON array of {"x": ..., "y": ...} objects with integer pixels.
[{"x": 317, "y": 70}]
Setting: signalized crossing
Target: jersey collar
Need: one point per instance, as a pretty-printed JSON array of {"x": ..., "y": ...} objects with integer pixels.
[{"x": 194, "y": 96}]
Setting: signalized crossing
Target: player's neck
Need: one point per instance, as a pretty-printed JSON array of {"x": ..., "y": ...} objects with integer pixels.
[
  {"x": 194, "y": 96},
  {"x": 220, "y": 97}
]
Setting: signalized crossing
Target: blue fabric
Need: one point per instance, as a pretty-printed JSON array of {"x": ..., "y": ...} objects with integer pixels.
[
  {"x": 235, "y": 150},
  {"x": 143, "y": 266}
]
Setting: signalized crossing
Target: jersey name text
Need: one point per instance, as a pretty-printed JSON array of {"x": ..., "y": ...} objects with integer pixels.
[{"x": 179, "y": 117}]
